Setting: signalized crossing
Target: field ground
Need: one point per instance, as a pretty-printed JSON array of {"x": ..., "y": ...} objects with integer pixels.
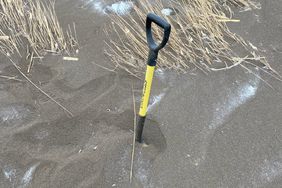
[{"x": 217, "y": 130}]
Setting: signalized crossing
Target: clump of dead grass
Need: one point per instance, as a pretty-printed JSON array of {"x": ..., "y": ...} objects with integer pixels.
[
  {"x": 31, "y": 28},
  {"x": 199, "y": 38},
  {"x": 33, "y": 25}
]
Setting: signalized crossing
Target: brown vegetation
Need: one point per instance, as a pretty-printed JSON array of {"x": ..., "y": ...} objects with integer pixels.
[
  {"x": 199, "y": 38},
  {"x": 32, "y": 25}
]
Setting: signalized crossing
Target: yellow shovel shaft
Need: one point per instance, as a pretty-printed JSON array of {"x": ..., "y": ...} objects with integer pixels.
[{"x": 146, "y": 90}]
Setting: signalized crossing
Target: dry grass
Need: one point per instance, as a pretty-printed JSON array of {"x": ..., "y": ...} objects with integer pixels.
[
  {"x": 199, "y": 38},
  {"x": 33, "y": 25},
  {"x": 31, "y": 28},
  {"x": 134, "y": 136}
]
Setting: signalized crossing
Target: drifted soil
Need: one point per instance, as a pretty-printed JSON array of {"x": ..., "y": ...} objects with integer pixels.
[{"x": 217, "y": 130}]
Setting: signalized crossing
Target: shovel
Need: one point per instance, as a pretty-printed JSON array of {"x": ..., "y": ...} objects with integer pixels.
[{"x": 154, "y": 48}]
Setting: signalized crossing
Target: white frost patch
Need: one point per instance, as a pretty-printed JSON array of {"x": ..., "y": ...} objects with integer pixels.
[
  {"x": 230, "y": 98},
  {"x": 9, "y": 113},
  {"x": 120, "y": 7},
  {"x": 13, "y": 112},
  {"x": 143, "y": 171},
  {"x": 257, "y": 6},
  {"x": 142, "y": 176},
  {"x": 238, "y": 97},
  {"x": 155, "y": 100},
  {"x": 99, "y": 7},
  {"x": 167, "y": 11},
  {"x": 10, "y": 174},
  {"x": 268, "y": 172},
  {"x": 28, "y": 175},
  {"x": 160, "y": 74},
  {"x": 271, "y": 170}
]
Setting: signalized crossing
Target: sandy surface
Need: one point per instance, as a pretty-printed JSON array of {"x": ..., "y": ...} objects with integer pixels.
[{"x": 217, "y": 130}]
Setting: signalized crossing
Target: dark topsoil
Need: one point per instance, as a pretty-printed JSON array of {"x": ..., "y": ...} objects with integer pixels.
[{"x": 218, "y": 130}]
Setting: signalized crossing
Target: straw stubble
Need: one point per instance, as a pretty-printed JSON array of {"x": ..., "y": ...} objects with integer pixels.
[{"x": 199, "y": 37}]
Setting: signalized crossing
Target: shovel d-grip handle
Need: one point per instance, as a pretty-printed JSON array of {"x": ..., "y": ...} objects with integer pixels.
[
  {"x": 151, "y": 63},
  {"x": 153, "y": 46}
]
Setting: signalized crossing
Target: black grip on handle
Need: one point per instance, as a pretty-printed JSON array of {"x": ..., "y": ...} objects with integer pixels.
[
  {"x": 161, "y": 23},
  {"x": 139, "y": 129}
]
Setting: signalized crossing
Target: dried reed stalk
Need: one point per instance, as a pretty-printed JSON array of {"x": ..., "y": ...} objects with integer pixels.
[
  {"x": 199, "y": 38},
  {"x": 32, "y": 23}
]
